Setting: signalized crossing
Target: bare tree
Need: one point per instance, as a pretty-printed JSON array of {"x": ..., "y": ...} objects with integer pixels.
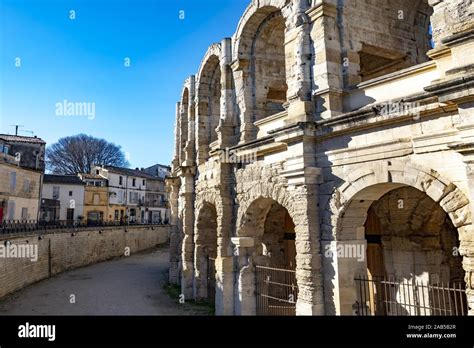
[{"x": 79, "y": 153}]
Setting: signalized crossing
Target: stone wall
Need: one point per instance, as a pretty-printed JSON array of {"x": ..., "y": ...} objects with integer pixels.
[
  {"x": 65, "y": 250},
  {"x": 326, "y": 151}
]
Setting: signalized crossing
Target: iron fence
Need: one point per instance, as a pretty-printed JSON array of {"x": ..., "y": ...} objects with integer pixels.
[
  {"x": 276, "y": 291},
  {"x": 382, "y": 296},
  {"x": 26, "y": 226}
]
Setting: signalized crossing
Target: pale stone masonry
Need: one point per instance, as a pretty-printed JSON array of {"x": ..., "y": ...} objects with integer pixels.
[{"x": 362, "y": 135}]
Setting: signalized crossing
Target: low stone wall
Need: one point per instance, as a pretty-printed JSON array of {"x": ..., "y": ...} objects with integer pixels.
[{"x": 63, "y": 250}]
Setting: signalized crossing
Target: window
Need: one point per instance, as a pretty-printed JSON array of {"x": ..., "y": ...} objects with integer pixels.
[
  {"x": 4, "y": 148},
  {"x": 116, "y": 215},
  {"x": 96, "y": 199},
  {"x": 134, "y": 182},
  {"x": 70, "y": 193},
  {"x": 98, "y": 183},
  {"x": 120, "y": 180},
  {"x": 133, "y": 197},
  {"x": 11, "y": 210},
  {"x": 144, "y": 182},
  {"x": 24, "y": 213},
  {"x": 55, "y": 192},
  {"x": 97, "y": 172},
  {"x": 26, "y": 185},
  {"x": 13, "y": 181}
]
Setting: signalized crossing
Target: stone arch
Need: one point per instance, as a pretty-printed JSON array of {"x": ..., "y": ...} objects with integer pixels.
[
  {"x": 260, "y": 63},
  {"x": 369, "y": 183},
  {"x": 399, "y": 36},
  {"x": 223, "y": 258},
  {"x": 213, "y": 198},
  {"x": 184, "y": 123},
  {"x": 266, "y": 226},
  {"x": 208, "y": 94},
  {"x": 252, "y": 17},
  {"x": 346, "y": 213},
  {"x": 205, "y": 253},
  {"x": 265, "y": 192},
  {"x": 265, "y": 211}
]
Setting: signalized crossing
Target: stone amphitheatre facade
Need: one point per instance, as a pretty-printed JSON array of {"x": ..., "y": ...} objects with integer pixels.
[{"x": 319, "y": 128}]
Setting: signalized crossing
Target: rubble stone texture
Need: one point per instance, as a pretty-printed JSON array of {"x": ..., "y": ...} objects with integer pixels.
[{"x": 331, "y": 111}]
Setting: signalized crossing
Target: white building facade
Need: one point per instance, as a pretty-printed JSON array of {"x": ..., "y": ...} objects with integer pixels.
[
  {"x": 127, "y": 189},
  {"x": 69, "y": 191}
]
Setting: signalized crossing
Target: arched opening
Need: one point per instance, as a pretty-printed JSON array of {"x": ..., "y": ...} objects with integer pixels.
[
  {"x": 206, "y": 252},
  {"x": 268, "y": 68},
  {"x": 397, "y": 255},
  {"x": 184, "y": 125},
  {"x": 274, "y": 256},
  {"x": 397, "y": 36},
  {"x": 209, "y": 107}
]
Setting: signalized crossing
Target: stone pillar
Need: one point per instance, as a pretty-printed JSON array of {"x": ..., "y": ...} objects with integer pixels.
[
  {"x": 298, "y": 62},
  {"x": 225, "y": 129},
  {"x": 225, "y": 259},
  {"x": 244, "y": 297},
  {"x": 172, "y": 186},
  {"x": 187, "y": 256},
  {"x": 200, "y": 270},
  {"x": 177, "y": 146},
  {"x": 329, "y": 60},
  {"x": 191, "y": 112},
  {"x": 454, "y": 31},
  {"x": 183, "y": 133},
  {"x": 466, "y": 232},
  {"x": 201, "y": 131},
  {"x": 341, "y": 292},
  {"x": 304, "y": 177},
  {"x": 244, "y": 91}
]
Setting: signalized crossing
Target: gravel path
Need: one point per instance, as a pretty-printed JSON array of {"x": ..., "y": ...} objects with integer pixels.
[{"x": 126, "y": 286}]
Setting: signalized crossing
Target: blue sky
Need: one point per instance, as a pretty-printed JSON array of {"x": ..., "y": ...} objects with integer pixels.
[{"x": 82, "y": 60}]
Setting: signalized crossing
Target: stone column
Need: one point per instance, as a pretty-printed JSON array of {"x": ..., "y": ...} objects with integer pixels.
[
  {"x": 225, "y": 259},
  {"x": 201, "y": 131},
  {"x": 183, "y": 133},
  {"x": 466, "y": 232},
  {"x": 187, "y": 204},
  {"x": 329, "y": 61},
  {"x": 243, "y": 90},
  {"x": 298, "y": 62},
  {"x": 191, "y": 112},
  {"x": 177, "y": 146},
  {"x": 172, "y": 186},
  {"x": 244, "y": 297},
  {"x": 304, "y": 177},
  {"x": 225, "y": 129},
  {"x": 454, "y": 33}
]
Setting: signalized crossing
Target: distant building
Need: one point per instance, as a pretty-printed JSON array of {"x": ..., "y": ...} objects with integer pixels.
[
  {"x": 28, "y": 151},
  {"x": 156, "y": 200},
  {"x": 134, "y": 195},
  {"x": 126, "y": 193},
  {"x": 156, "y": 209},
  {"x": 21, "y": 171},
  {"x": 69, "y": 191},
  {"x": 96, "y": 198},
  {"x": 158, "y": 170},
  {"x": 49, "y": 210}
]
